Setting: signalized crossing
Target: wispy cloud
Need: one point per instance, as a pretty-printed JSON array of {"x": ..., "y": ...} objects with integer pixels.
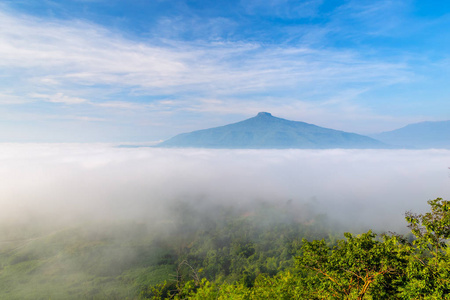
[
  {"x": 103, "y": 73},
  {"x": 9, "y": 99},
  {"x": 283, "y": 8},
  {"x": 372, "y": 17},
  {"x": 58, "y": 98},
  {"x": 67, "y": 53}
]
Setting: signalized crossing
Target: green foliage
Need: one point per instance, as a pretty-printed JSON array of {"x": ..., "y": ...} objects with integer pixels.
[
  {"x": 428, "y": 270},
  {"x": 433, "y": 228},
  {"x": 357, "y": 266},
  {"x": 266, "y": 252},
  {"x": 364, "y": 266}
]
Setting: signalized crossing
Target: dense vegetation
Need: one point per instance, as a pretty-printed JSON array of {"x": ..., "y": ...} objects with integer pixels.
[
  {"x": 260, "y": 252},
  {"x": 357, "y": 267}
]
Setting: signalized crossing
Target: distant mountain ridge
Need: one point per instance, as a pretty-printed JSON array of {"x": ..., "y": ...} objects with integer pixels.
[
  {"x": 418, "y": 135},
  {"x": 265, "y": 131}
]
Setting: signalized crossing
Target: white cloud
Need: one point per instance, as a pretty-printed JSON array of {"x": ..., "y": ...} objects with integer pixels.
[
  {"x": 83, "y": 54},
  {"x": 8, "y": 99},
  {"x": 121, "y": 105},
  {"x": 103, "y": 74},
  {"x": 58, "y": 98},
  {"x": 369, "y": 187},
  {"x": 72, "y": 117}
]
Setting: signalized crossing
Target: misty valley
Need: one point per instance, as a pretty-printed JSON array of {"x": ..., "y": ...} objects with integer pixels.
[
  {"x": 228, "y": 149},
  {"x": 92, "y": 221},
  {"x": 120, "y": 260}
]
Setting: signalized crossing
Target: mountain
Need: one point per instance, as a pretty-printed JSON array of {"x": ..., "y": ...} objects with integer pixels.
[
  {"x": 419, "y": 135},
  {"x": 268, "y": 132}
]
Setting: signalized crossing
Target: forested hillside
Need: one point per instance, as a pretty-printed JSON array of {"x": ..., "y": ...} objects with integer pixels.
[
  {"x": 126, "y": 259},
  {"x": 364, "y": 266},
  {"x": 264, "y": 251}
]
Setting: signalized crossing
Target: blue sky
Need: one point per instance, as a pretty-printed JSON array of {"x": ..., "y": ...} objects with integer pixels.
[{"x": 145, "y": 70}]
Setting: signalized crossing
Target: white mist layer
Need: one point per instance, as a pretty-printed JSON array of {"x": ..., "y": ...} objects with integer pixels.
[{"x": 72, "y": 181}]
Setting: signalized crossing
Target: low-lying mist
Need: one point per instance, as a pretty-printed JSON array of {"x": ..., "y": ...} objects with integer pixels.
[{"x": 60, "y": 183}]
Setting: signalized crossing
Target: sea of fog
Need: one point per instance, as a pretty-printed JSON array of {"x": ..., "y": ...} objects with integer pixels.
[{"x": 84, "y": 181}]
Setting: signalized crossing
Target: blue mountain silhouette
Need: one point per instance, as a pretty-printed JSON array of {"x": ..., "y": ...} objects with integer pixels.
[
  {"x": 419, "y": 135},
  {"x": 265, "y": 131}
]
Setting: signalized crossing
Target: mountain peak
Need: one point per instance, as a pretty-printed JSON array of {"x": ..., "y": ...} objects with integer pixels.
[
  {"x": 264, "y": 114},
  {"x": 268, "y": 132}
]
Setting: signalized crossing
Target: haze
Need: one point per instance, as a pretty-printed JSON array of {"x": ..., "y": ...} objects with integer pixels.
[
  {"x": 138, "y": 71},
  {"x": 78, "y": 182}
]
